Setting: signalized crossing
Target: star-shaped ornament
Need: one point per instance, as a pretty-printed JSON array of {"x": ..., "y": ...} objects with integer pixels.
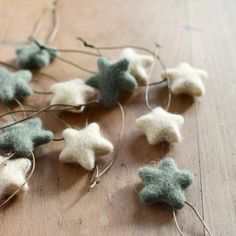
[
  {"x": 74, "y": 92},
  {"x": 185, "y": 79},
  {"x": 13, "y": 175},
  {"x": 111, "y": 79},
  {"x": 161, "y": 126},
  {"x": 14, "y": 85},
  {"x": 23, "y": 137},
  {"x": 165, "y": 183},
  {"x": 32, "y": 56},
  {"x": 139, "y": 64},
  {"x": 82, "y": 146}
]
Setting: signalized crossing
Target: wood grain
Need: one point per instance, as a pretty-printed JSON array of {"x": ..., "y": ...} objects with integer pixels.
[{"x": 200, "y": 32}]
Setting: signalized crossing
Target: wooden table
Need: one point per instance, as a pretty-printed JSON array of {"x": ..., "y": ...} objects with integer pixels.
[{"x": 200, "y": 32}]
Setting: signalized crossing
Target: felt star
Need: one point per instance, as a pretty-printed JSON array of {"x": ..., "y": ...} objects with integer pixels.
[
  {"x": 32, "y": 56},
  {"x": 112, "y": 79},
  {"x": 165, "y": 184},
  {"x": 160, "y": 126},
  {"x": 23, "y": 137},
  {"x": 14, "y": 85},
  {"x": 82, "y": 146},
  {"x": 186, "y": 79},
  {"x": 138, "y": 64},
  {"x": 13, "y": 175},
  {"x": 74, "y": 92}
]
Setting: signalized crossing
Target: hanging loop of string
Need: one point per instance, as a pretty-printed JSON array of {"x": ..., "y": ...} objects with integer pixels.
[
  {"x": 147, "y": 85},
  {"x": 96, "y": 179},
  {"x": 55, "y": 19}
]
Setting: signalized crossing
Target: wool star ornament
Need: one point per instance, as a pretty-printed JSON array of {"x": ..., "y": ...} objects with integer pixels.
[
  {"x": 139, "y": 64},
  {"x": 14, "y": 85},
  {"x": 13, "y": 175},
  {"x": 161, "y": 126},
  {"x": 185, "y": 79},
  {"x": 74, "y": 92},
  {"x": 111, "y": 79},
  {"x": 32, "y": 56},
  {"x": 82, "y": 146},
  {"x": 165, "y": 183},
  {"x": 23, "y": 137}
]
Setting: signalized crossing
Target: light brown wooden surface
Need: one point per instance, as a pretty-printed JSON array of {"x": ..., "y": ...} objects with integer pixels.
[{"x": 202, "y": 33}]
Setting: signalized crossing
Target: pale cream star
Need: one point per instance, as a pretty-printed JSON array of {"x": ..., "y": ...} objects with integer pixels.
[
  {"x": 81, "y": 146},
  {"x": 74, "y": 92},
  {"x": 185, "y": 79},
  {"x": 139, "y": 64},
  {"x": 13, "y": 175},
  {"x": 160, "y": 125}
]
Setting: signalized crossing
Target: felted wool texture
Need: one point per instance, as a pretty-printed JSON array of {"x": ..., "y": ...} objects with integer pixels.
[
  {"x": 185, "y": 79},
  {"x": 82, "y": 146},
  {"x": 165, "y": 183},
  {"x": 32, "y": 56},
  {"x": 14, "y": 85},
  {"x": 138, "y": 64},
  {"x": 112, "y": 78},
  {"x": 23, "y": 137},
  {"x": 160, "y": 125},
  {"x": 74, "y": 92},
  {"x": 13, "y": 175}
]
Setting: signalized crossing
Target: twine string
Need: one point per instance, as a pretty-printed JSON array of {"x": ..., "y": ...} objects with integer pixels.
[
  {"x": 176, "y": 223},
  {"x": 199, "y": 217},
  {"x": 96, "y": 179}
]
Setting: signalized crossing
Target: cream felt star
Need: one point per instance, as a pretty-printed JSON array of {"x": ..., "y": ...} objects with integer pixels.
[
  {"x": 160, "y": 125},
  {"x": 139, "y": 64},
  {"x": 13, "y": 175},
  {"x": 74, "y": 92},
  {"x": 82, "y": 146},
  {"x": 185, "y": 79}
]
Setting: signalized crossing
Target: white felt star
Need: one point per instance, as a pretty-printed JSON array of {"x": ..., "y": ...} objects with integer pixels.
[
  {"x": 13, "y": 175},
  {"x": 139, "y": 64},
  {"x": 74, "y": 92},
  {"x": 82, "y": 146},
  {"x": 160, "y": 125},
  {"x": 186, "y": 79}
]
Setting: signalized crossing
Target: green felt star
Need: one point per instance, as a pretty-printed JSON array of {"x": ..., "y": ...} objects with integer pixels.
[
  {"x": 14, "y": 85},
  {"x": 111, "y": 79},
  {"x": 34, "y": 56},
  {"x": 165, "y": 184},
  {"x": 22, "y": 138}
]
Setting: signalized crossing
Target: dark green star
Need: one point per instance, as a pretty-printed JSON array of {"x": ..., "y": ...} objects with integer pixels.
[
  {"x": 111, "y": 79},
  {"x": 165, "y": 184},
  {"x": 14, "y": 85},
  {"x": 22, "y": 138},
  {"x": 34, "y": 56}
]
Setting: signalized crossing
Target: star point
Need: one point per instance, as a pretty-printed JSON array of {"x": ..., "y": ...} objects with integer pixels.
[
  {"x": 139, "y": 64},
  {"x": 160, "y": 126},
  {"x": 186, "y": 79},
  {"x": 82, "y": 146},
  {"x": 74, "y": 92},
  {"x": 23, "y": 137},
  {"x": 13, "y": 175},
  {"x": 165, "y": 183},
  {"x": 14, "y": 85},
  {"x": 112, "y": 79}
]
